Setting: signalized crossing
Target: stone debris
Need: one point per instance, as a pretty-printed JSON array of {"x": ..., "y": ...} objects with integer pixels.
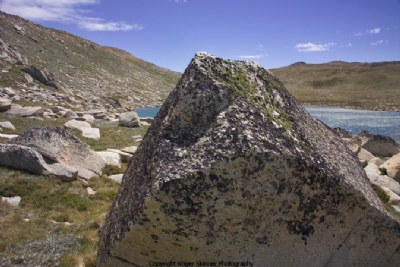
[
  {"x": 7, "y": 125},
  {"x": 12, "y": 201}
]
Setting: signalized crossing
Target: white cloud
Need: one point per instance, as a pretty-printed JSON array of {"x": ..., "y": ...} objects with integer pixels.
[
  {"x": 253, "y": 56},
  {"x": 374, "y": 31},
  {"x": 63, "y": 11},
  {"x": 311, "y": 47},
  {"x": 101, "y": 25},
  {"x": 347, "y": 45},
  {"x": 180, "y": 1},
  {"x": 380, "y": 42}
]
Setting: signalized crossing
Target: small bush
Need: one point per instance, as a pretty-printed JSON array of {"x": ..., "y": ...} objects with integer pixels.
[
  {"x": 381, "y": 194},
  {"x": 383, "y": 171}
]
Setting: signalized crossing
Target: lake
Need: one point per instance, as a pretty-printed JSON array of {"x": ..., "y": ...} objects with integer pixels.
[{"x": 377, "y": 122}]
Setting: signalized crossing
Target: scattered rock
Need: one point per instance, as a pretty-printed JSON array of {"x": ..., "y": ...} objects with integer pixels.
[
  {"x": 8, "y": 91},
  {"x": 234, "y": 168},
  {"x": 129, "y": 119},
  {"x": 111, "y": 158},
  {"x": 384, "y": 180},
  {"x": 392, "y": 167},
  {"x": 129, "y": 149},
  {"x": 354, "y": 148},
  {"x": 147, "y": 119},
  {"x": 116, "y": 178},
  {"x": 365, "y": 155},
  {"x": 12, "y": 201},
  {"x": 92, "y": 133},
  {"x": 5, "y": 104},
  {"x": 25, "y": 111},
  {"x": 43, "y": 76},
  {"x": 8, "y": 136},
  {"x": 125, "y": 157},
  {"x": 86, "y": 117},
  {"x": 90, "y": 191},
  {"x": 26, "y": 158},
  {"x": 19, "y": 29},
  {"x": 377, "y": 161},
  {"x": 379, "y": 145},
  {"x": 57, "y": 145},
  {"x": 79, "y": 125},
  {"x": 7, "y": 125},
  {"x": 70, "y": 114}
]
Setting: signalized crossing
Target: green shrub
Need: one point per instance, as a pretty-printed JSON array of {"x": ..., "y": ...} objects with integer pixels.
[
  {"x": 381, "y": 193},
  {"x": 383, "y": 171}
]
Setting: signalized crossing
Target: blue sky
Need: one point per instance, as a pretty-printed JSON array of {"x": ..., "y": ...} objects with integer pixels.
[{"x": 273, "y": 33}]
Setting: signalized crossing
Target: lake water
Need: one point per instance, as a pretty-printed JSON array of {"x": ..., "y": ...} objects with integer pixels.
[{"x": 377, "y": 122}]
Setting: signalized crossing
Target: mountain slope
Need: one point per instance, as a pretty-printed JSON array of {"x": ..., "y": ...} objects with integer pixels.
[
  {"x": 93, "y": 74},
  {"x": 373, "y": 86}
]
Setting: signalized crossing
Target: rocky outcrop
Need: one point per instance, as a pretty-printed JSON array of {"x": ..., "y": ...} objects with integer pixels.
[
  {"x": 52, "y": 150},
  {"x": 233, "y": 169},
  {"x": 43, "y": 76}
]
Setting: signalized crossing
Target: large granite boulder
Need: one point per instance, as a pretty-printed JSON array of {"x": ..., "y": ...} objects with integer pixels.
[
  {"x": 57, "y": 145},
  {"x": 234, "y": 170}
]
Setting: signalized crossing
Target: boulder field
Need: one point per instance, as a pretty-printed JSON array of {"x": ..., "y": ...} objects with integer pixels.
[{"x": 233, "y": 169}]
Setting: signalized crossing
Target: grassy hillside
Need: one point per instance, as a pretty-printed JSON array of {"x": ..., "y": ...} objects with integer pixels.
[
  {"x": 93, "y": 72},
  {"x": 374, "y": 86}
]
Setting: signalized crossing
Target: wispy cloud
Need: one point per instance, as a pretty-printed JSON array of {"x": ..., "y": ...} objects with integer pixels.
[
  {"x": 379, "y": 42},
  {"x": 180, "y": 1},
  {"x": 347, "y": 45},
  {"x": 253, "y": 56},
  {"x": 376, "y": 30},
  {"x": 64, "y": 11},
  {"x": 311, "y": 47}
]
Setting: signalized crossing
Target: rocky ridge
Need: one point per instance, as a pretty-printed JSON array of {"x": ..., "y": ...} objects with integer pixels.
[
  {"x": 234, "y": 169},
  {"x": 44, "y": 65}
]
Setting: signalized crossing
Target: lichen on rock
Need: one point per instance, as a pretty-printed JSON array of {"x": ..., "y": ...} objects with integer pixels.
[{"x": 234, "y": 169}]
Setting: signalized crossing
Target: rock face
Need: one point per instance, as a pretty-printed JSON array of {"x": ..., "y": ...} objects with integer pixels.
[
  {"x": 56, "y": 145},
  {"x": 233, "y": 169}
]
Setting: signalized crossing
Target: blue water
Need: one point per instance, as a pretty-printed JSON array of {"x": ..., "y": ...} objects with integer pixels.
[{"x": 377, "y": 122}]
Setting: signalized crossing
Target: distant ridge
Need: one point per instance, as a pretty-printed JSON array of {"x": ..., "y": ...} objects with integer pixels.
[{"x": 360, "y": 85}]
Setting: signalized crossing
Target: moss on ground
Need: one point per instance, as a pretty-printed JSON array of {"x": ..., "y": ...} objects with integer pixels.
[{"x": 47, "y": 203}]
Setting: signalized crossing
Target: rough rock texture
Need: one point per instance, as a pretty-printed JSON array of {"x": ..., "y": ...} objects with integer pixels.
[
  {"x": 392, "y": 167},
  {"x": 129, "y": 119},
  {"x": 28, "y": 159},
  {"x": 57, "y": 145},
  {"x": 379, "y": 145},
  {"x": 234, "y": 169},
  {"x": 5, "y": 104}
]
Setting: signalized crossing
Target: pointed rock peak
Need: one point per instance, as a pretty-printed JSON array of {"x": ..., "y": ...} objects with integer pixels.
[{"x": 233, "y": 169}]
